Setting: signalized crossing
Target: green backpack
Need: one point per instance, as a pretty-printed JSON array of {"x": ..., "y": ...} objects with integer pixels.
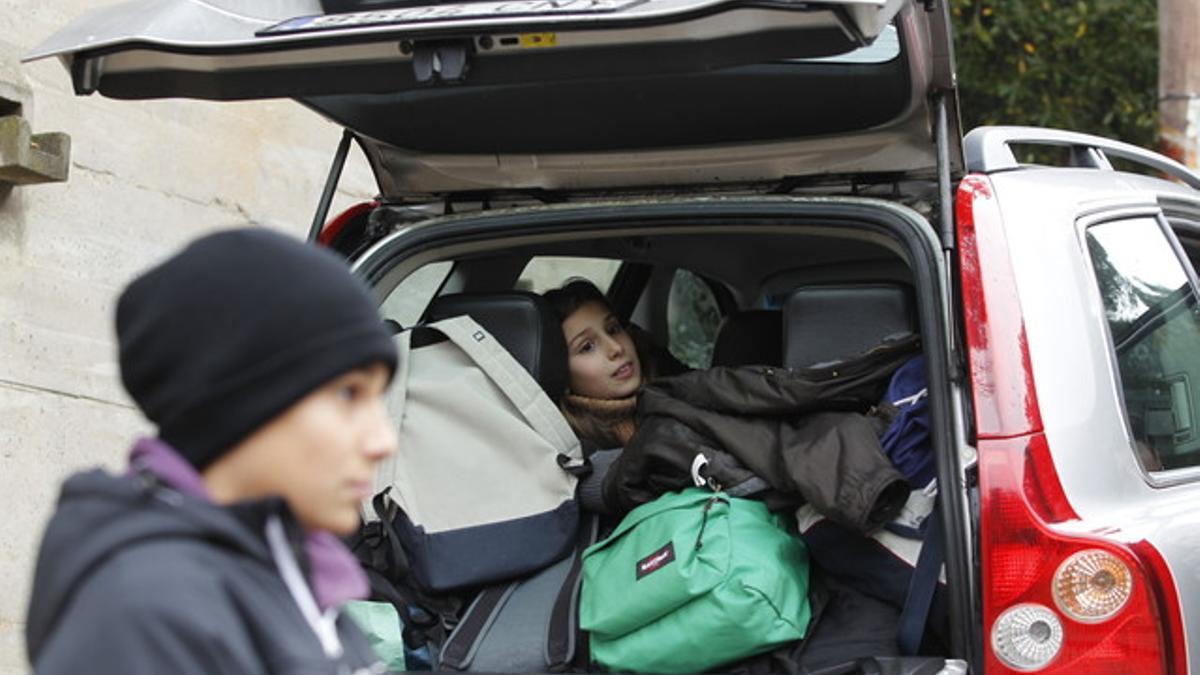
[{"x": 692, "y": 581}]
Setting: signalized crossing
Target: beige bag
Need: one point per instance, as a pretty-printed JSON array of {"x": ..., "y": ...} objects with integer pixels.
[{"x": 484, "y": 478}]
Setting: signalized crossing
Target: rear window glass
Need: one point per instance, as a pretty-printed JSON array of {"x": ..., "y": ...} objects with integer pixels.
[
  {"x": 409, "y": 298},
  {"x": 1153, "y": 319},
  {"x": 546, "y": 272},
  {"x": 885, "y": 48}
]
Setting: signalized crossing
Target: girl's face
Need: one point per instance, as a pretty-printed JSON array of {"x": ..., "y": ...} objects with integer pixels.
[{"x": 602, "y": 358}]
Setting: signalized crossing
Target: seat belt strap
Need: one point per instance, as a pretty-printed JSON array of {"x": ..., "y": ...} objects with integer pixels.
[
  {"x": 922, "y": 586},
  {"x": 562, "y": 638}
]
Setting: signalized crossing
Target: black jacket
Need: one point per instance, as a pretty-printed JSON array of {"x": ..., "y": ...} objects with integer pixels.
[
  {"x": 133, "y": 577},
  {"x": 802, "y": 432}
]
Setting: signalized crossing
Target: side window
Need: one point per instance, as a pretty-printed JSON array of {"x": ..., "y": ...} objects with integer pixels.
[
  {"x": 546, "y": 272},
  {"x": 409, "y": 298},
  {"x": 1155, "y": 326},
  {"x": 693, "y": 317}
]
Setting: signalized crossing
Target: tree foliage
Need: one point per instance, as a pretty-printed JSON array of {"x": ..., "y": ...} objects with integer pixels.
[{"x": 1088, "y": 66}]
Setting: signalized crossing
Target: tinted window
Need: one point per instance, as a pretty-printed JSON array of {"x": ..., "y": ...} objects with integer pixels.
[
  {"x": 1152, "y": 316},
  {"x": 693, "y": 317}
]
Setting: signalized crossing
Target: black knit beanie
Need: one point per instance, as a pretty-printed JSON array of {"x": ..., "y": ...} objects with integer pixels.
[{"x": 234, "y": 329}]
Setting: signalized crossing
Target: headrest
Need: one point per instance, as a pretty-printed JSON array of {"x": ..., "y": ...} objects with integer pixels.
[
  {"x": 524, "y": 323},
  {"x": 750, "y": 337},
  {"x": 822, "y": 324}
]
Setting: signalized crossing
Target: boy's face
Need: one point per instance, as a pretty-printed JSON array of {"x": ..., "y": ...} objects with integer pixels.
[{"x": 319, "y": 455}]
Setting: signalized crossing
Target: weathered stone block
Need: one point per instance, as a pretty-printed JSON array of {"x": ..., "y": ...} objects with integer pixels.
[{"x": 26, "y": 158}]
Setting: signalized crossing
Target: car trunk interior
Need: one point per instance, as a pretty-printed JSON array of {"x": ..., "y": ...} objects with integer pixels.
[{"x": 752, "y": 252}]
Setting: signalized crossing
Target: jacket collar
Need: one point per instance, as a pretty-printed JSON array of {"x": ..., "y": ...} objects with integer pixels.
[{"x": 333, "y": 572}]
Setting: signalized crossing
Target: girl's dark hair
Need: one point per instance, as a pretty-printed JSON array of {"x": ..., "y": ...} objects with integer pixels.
[{"x": 573, "y": 295}]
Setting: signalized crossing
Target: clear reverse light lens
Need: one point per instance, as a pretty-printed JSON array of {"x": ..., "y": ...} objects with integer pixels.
[
  {"x": 1092, "y": 586},
  {"x": 1027, "y": 637}
]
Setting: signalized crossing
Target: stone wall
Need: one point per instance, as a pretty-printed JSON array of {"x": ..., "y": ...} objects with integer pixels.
[{"x": 145, "y": 177}]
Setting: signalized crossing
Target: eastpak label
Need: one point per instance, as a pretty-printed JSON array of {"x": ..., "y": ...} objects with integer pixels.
[{"x": 656, "y": 561}]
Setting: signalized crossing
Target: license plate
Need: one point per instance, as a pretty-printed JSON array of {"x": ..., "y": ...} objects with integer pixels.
[{"x": 466, "y": 10}]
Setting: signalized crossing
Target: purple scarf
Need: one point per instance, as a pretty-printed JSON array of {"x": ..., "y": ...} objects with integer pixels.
[{"x": 336, "y": 575}]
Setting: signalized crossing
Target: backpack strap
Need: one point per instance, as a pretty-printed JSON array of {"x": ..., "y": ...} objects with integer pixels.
[
  {"x": 459, "y": 649},
  {"x": 389, "y": 574},
  {"x": 562, "y": 637},
  {"x": 922, "y": 587}
]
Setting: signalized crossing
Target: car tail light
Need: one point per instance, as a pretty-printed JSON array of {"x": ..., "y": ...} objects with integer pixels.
[
  {"x": 332, "y": 228},
  {"x": 1057, "y": 598},
  {"x": 1027, "y": 637},
  {"x": 1096, "y": 588},
  {"x": 1092, "y": 586}
]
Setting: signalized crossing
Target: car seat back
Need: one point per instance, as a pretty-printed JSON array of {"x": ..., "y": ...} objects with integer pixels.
[
  {"x": 822, "y": 324},
  {"x": 523, "y": 323},
  {"x": 750, "y": 337}
]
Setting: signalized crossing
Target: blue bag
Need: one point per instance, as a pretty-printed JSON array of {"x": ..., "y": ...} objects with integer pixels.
[{"x": 906, "y": 441}]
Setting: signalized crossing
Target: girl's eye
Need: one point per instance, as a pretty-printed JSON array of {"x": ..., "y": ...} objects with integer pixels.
[
  {"x": 586, "y": 347},
  {"x": 615, "y": 328}
]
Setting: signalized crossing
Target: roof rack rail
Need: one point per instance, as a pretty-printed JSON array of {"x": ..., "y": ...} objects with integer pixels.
[{"x": 988, "y": 151}]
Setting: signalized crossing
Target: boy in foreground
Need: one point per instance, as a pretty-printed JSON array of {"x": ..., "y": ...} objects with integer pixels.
[{"x": 263, "y": 364}]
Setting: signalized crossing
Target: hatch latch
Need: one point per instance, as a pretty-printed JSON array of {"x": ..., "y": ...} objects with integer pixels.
[{"x": 441, "y": 62}]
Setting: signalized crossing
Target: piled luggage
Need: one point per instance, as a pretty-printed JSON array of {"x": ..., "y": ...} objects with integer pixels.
[{"x": 477, "y": 543}]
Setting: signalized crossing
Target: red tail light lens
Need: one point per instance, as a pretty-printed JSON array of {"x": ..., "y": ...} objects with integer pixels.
[{"x": 1021, "y": 557}]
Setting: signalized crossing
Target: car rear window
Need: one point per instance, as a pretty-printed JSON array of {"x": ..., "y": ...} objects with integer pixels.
[
  {"x": 1151, "y": 309},
  {"x": 546, "y": 272}
]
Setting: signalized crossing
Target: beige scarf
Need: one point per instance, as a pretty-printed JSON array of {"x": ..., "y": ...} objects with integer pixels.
[{"x": 607, "y": 422}]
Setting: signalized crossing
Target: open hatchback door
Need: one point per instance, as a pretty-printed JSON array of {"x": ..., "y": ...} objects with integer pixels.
[{"x": 557, "y": 94}]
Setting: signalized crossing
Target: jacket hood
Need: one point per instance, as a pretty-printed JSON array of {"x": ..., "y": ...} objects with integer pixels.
[{"x": 100, "y": 514}]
